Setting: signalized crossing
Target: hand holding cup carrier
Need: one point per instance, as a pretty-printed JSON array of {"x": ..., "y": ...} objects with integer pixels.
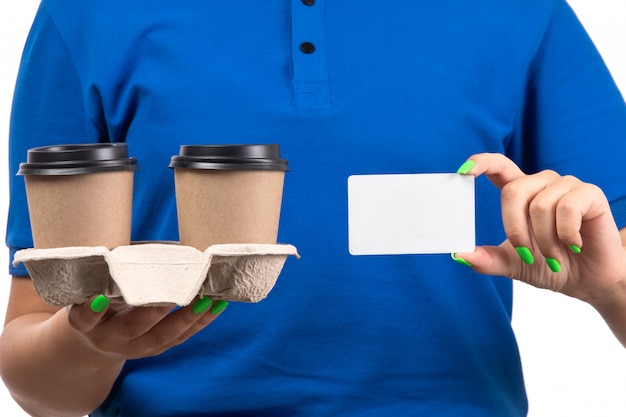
[{"x": 226, "y": 195}]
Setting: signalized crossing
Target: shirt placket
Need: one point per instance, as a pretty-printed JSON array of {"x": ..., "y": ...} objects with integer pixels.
[{"x": 308, "y": 51}]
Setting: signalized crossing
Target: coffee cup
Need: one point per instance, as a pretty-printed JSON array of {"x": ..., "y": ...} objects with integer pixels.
[
  {"x": 79, "y": 194},
  {"x": 228, "y": 193}
]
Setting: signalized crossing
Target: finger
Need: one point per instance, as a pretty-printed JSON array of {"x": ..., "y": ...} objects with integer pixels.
[
  {"x": 132, "y": 323},
  {"x": 84, "y": 317},
  {"x": 518, "y": 197},
  {"x": 187, "y": 321},
  {"x": 503, "y": 261},
  {"x": 498, "y": 168},
  {"x": 114, "y": 334},
  {"x": 177, "y": 327},
  {"x": 543, "y": 212},
  {"x": 585, "y": 202},
  {"x": 492, "y": 260}
]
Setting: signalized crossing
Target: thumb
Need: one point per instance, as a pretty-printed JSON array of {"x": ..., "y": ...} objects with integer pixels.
[{"x": 489, "y": 260}]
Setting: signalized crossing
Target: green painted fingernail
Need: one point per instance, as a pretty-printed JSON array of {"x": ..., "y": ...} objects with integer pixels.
[
  {"x": 460, "y": 260},
  {"x": 219, "y": 306},
  {"x": 466, "y": 167},
  {"x": 553, "y": 264},
  {"x": 201, "y": 305},
  {"x": 575, "y": 248},
  {"x": 99, "y": 304},
  {"x": 525, "y": 254}
]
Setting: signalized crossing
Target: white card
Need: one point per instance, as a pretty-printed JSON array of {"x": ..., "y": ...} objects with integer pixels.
[{"x": 411, "y": 214}]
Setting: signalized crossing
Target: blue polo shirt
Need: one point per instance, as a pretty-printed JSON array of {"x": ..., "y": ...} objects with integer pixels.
[{"x": 344, "y": 87}]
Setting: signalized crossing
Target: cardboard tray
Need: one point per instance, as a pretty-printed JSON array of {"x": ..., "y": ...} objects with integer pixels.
[{"x": 155, "y": 273}]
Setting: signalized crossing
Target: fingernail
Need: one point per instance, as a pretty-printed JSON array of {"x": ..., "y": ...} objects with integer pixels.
[
  {"x": 99, "y": 304},
  {"x": 460, "y": 260},
  {"x": 553, "y": 264},
  {"x": 575, "y": 248},
  {"x": 466, "y": 167},
  {"x": 219, "y": 306},
  {"x": 525, "y": 254},
  {"x": 201, "y": 305}
]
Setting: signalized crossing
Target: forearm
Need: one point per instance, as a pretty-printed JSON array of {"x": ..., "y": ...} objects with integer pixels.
[
  {"x": 50, "y": 371},
  {"x": 611, "y": 303}
]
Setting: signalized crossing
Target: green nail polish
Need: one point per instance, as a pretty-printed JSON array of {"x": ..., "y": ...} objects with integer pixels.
[
  {"x": 219, "y": 306},
  {"x": 201, "y": 305},
  {"x": 460, "y": 260},
  {"x": 575, "y": 248},
  {"x": 99, "y": 304},
  {"x": 466, "y": 167},
  {"x": 553, "y": 264},
  {"x": 525, "y": 254}
]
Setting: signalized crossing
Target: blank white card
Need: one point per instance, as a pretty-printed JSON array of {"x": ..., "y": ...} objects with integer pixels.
[{"x": 411, "y": 214}]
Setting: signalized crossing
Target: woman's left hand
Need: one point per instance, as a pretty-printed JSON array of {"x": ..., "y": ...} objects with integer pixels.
[{"x": 560, "y": 232}]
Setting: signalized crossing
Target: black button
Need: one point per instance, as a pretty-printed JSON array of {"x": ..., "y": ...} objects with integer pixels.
[
  {"x": 308, "y": 2},
  {"x": 307, "y": 47}
]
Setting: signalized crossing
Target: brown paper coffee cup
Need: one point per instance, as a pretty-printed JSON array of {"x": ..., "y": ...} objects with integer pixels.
[
  {"x": 228, "y": 194},
  {"x": 79, "y": 195}
]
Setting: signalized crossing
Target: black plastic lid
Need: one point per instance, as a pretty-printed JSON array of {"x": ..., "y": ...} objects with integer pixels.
[
  {"x": 230, "y": 157},
  {"x": 74, "y": 159}
]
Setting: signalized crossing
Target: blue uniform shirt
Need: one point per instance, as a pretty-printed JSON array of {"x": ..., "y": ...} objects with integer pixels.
[{"x": 344, "y": 87}]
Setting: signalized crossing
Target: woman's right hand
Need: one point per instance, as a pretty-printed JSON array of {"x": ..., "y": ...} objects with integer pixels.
[{"x": 63, "y": 362}]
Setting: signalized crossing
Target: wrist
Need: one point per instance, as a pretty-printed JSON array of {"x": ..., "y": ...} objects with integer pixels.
[{"x": 610, "y": 303}]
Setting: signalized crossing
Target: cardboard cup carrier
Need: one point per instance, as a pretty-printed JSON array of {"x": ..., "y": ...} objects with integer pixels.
[
  {"x": 228, "y": 194},
  {"x": 80, "y": 202},
  {"x": 80, "y": 194}
]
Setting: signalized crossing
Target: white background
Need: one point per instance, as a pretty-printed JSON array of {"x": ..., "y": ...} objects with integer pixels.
[{"x": 574, "y": 367}]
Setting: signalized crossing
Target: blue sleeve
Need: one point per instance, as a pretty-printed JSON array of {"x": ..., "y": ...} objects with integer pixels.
[
  {"x": 574, "y": 118},
  {"x": 618, "y": 208},
  {"x": 47, "y": 109}
]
